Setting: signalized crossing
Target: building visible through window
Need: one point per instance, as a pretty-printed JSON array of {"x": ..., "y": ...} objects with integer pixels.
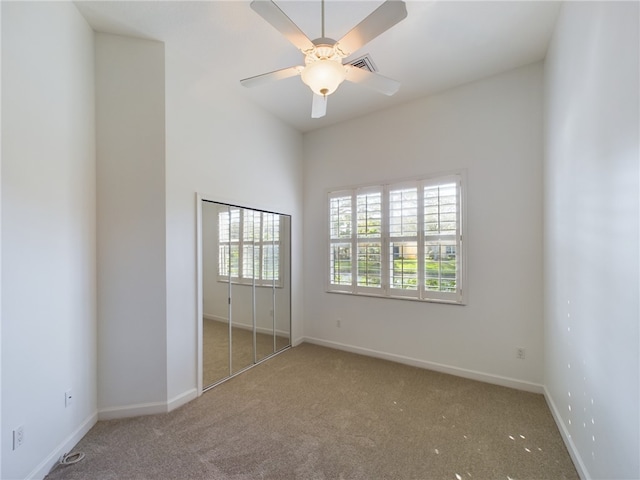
[{"x": 401, "y": 240}]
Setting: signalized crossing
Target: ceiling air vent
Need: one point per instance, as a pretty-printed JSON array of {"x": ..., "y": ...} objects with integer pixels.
[{"x": 365, "y": 62}]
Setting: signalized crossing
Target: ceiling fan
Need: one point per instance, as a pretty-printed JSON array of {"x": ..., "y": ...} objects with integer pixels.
[{"x": 324, "y": 71}]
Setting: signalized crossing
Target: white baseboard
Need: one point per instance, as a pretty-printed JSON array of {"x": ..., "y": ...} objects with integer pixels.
[
  {"x": 153, "y": 408},
  {"x": 438, "y": 367},
  {"x": 136, "y": 410},
  {"x": 65, "y": 446},
  {"x": 182, "y": 399},
  {"x": 209, "y": 316},
  {"x": 566, "y": 437},
  {"x": 266, "y": 331}
]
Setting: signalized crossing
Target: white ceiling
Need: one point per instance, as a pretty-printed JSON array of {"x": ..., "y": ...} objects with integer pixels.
[{"x": 439, "y": 45}]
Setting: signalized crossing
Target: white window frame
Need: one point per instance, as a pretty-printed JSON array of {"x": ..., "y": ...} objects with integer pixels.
[{"x": 386, "y": 289}]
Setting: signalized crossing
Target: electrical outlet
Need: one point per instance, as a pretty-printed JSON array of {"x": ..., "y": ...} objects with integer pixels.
[
  {"x": 18, "y": 437},
  {"x": 338, "y": 323},
  {"x": 520, "y": 353},
  {"x": 68, "y": 398}
]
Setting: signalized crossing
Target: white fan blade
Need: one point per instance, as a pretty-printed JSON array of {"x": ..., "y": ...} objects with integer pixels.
[
  {"x": 319, "y": 106},
  {"x": 271, "y": 76},
  {"x": 278, "y": 19},
  {"x": 381, "y": 20},
  {"x": 372, "y": 80}
]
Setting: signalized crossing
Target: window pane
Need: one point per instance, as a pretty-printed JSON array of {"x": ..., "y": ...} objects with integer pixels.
[
  {"x": 441, "y": 266},
  {"x": 409, "y": 231},
  {"x": 234, "y": 225},
  {"x": 369, "y": 215},
  {"x": 403, "y": 258},
  {"x": 340, "y": 266},
  {"x": 270, "y": 262},
  {"x": 230, "y": 257},
  {"x": 250, "y": 261},
  {"x": 340, "y": 217},
  {"x": 223, "y": 227},
  {"x": 369, "y": 265},
  {"x": 403, "y": 212},
  {"x": 250, "y": 225},
  {"x": 270, "y": 227},
  {"x": 440, "y": 209},
  {"x": 223, "y": 260},
  {"x": 229, "y": 254}
]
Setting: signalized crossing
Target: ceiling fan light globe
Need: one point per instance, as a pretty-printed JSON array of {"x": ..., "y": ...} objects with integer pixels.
[{"x": 323, "y": 76}]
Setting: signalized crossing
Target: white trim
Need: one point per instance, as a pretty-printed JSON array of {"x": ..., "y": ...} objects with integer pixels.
[
  {"x": 181, "y": 399},
  {"x": 385, "y": 290},
  {"x": 45, "y": 467},
  {"x": 245, "y": 326},
  {"x": 200, "y": 294},
  {"x": 152, "y": 408},
  {"x": 566, "y": 437},
  {"x": 200, "y": 197},
  {"x": 1, "y": 390},
  {"x": 437, "y": 367},
  {"x": 135, "y": 410}
]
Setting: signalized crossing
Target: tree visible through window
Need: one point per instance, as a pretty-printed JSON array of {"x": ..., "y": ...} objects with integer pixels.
[
  {"x": 369, "y": 239},
  {"x": 402, "y": 240}
]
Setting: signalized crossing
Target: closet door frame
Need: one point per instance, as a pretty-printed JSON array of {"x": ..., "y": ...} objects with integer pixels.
[{"x": 200, "y": 198}]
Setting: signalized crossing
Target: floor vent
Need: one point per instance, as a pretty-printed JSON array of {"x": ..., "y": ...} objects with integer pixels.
[{"x": 365, "y": 62}]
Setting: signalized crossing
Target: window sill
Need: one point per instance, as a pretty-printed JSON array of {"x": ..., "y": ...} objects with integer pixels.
[{"x": 397, "y": 297}]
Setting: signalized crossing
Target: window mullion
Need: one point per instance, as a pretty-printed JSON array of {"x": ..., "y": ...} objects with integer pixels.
[
  {"x": 421, "y": 239},
  {"x": 384, "y": 241},
  {"x": 460, "y": 257},
  {"x": 281, "y": 233},
  {"x": 240, "y": 245},
  {"x": 354, "y": 241},
  {"x": 259, "y": 275},
  {"x": 253, "y": 253}
]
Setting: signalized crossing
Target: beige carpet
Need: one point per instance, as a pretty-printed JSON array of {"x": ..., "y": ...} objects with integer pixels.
[
  {"x": 317, "y": 413},
  {"x": 215, "y": 352}
]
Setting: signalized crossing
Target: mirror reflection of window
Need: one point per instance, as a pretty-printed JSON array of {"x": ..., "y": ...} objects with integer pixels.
[
  {"x": 246, "y": 301},
  {"x": 249, "y": 247}
]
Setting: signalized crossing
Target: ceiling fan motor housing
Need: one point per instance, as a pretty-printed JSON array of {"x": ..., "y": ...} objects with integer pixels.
[{"x": 324, "y": 71}]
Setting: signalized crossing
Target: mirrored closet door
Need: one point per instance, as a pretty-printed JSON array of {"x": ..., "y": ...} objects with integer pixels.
[{"x": 245, "y": 294}]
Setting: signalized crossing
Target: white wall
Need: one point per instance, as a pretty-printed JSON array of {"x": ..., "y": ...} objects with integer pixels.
[
  {"x": 591, "y": 235},
  {"x": 145, "y": 237},
  {"x": 222, "y": 146},
  {"x": 131, "y": 223},
  {"x": 492, "y": 128},
  {"x": 48, "y": 233}
]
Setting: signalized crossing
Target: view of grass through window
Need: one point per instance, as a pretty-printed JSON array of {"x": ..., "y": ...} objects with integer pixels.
[{"x": 397, "y": 240}]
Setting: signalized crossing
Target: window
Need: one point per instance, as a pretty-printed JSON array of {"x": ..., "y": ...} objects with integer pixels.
[
  {"x": 399, "y": 240},
  {"x": 249, "y": 247}
]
